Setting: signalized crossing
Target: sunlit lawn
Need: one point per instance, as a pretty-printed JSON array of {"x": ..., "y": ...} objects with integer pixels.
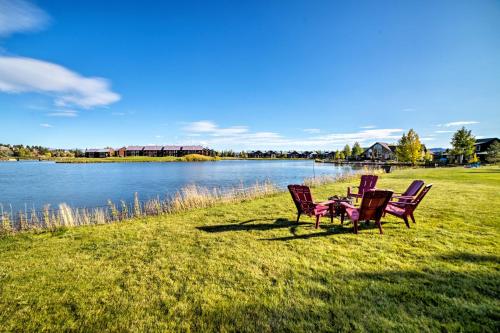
[{"x": 250, "y": 267}]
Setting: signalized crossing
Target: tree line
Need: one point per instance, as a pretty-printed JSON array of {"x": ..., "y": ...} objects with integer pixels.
[
  {"x": 409, "y": 149},
  {"x": 22, "y": 151}
]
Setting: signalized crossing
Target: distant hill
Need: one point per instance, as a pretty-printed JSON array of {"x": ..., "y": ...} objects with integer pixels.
[{"x": 437, "y": 150}]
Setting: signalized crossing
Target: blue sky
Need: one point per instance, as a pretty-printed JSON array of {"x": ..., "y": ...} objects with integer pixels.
[{"x": 247, "y": 75}]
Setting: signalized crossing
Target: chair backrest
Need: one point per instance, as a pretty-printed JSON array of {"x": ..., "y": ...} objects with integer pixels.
[
  {"x": 419, "y": 197},
  {"x": 373, "y": 204},
  {"x": 412, "y": 190},
  {"x": 302, "y": 198},
  {"x": 295, "y": 199},
  {"x": 367, "y": 183}
]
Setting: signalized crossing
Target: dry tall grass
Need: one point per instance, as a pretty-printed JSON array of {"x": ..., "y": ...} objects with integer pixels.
[
  {"x": 327, "y": 179},
  {"x": 189, "y": 197}
]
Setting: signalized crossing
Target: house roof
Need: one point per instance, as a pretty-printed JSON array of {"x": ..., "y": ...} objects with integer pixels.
[
  {"x": 135, "y": 148},
  {"x": 171, "y": 147},
  {"x": 92, "y": 150},
  {"x": 485, "y": 140},
  {"x": 384, "y": 145},
  {"x": 153, "y": 148},
  {"x": 191, "y": 148}
]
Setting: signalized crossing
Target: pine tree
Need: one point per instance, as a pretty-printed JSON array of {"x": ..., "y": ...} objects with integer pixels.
[{"x": 493, "y": 153}]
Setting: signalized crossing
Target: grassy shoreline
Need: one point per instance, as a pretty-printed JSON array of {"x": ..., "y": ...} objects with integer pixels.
[
  {"x": 138, "y": 159},
  {"x": 144, "y": 159},
  {"x": 249, "y": 267},
  {"x": 128, "y": 159}
]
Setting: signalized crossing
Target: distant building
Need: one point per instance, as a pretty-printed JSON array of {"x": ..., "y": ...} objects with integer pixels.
[
  {"x": 270, "y": 154},
  {"x": 121, "y": 152},
  {"x": 134, "y": 150},
  {"x": 380, "y": 151},
  {"x": 255, "y": 154},
  {"x": 482, "y": 145},
  {"x": 438, "y": 154},
  {"x": 152, "y": 151},
  {"x": 99, "y": 153},
  {"x": 159, "y": 151},
  {"x": 186, "y": 150},
  {"x": 171, "y": 150}
]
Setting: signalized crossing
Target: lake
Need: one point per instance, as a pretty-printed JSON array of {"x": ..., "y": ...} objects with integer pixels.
[{"x": 34, "y": 184}]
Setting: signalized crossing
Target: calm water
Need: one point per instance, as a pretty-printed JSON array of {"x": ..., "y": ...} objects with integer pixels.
[{"x": 91, "y": 185}]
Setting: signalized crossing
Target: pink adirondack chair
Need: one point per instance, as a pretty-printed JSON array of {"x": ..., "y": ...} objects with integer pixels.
[
  {"x": 405, "y": 209},
  {"x": 367, "y": 182},
  {"x": 410, "y": 192},
  {"x": 303, "y": 200},
  {"x": 372, "y": 207}
]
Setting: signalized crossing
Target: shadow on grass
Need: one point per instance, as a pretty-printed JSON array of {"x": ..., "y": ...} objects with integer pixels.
[
  {"x": 485, "y": 171},
  {"x": 469, "y": 257},
  {"x": 327, "y": 230},
  {"x": 245, "y": 226},
  {"x": 432, "y": 287},
  {"x": 429, "y": 300}
]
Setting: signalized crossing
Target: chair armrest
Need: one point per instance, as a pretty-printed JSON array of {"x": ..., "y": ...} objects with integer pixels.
[
  {"x": 325, "y": 203},
  {"x": 407, "y": 197},
  {"x": 347, "y": 205},
  {"x": 402, "y": 204}
]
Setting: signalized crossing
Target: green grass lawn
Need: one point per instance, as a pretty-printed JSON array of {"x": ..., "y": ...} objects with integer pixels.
[{"x": 250, "y": 267}]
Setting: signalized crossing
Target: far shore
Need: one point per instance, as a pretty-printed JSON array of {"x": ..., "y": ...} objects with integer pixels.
[
  {"x": 129, "y": 159},
  {"x": 142, "y": 159}
]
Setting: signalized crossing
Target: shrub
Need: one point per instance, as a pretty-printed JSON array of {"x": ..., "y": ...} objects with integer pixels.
[{"x": 198, "y": 158}]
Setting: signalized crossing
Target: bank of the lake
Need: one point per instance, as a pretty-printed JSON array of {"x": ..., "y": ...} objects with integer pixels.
[
  {"x": 31, "y": 185},
  {"x": 250, "y": 267},
  {"x": 136, "y": 159}
]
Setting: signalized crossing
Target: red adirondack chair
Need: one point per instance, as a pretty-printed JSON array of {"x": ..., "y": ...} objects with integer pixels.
[
  {"x": 410, "y": 192},
  {"x": 367, "y": 182},
  {"x": 372, "y": 207},
  {"x": 303, "y": 200},
  {"x": 405, "y": 209}
]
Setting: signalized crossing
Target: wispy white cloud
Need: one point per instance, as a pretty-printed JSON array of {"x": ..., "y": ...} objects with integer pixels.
[
  {"x": 459, "y": 123},
  {"x": 365, "y": 136},
  {"x": 312, "y": 130},
  {"x": 209, "y": 133},
  {"x": 46, "y": 125},
  {"x": 18, "y": 74},
  {"x": 21, "y": 16},
  {"x": 118, "y": 113},
  {"x": 210, "y": 128},
  {"x": 63, "y": 113},
  {"x": 408, "y": 110},
  {"x": 440, "y": 132},
  {"x": 368, "y": 126}
]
